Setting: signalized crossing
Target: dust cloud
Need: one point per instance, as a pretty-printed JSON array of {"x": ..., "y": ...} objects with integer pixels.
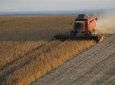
[{"x": 106, "y": 23}]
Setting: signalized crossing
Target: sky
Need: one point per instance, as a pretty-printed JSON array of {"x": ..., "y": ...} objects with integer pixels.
[{"x": 43, "y": 5}]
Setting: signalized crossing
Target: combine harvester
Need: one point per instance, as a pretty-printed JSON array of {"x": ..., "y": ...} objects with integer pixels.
[{"x": 84, "y": 28}]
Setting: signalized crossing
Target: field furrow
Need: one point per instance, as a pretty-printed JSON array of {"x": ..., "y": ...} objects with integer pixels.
[{"x": 15, "y": 51}]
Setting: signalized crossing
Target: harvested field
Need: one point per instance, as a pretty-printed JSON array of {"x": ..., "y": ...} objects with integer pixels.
[{"x": 27, "y": 51}]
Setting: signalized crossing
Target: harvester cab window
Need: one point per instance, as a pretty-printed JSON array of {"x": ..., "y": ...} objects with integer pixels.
[{"x": 79, "y": 26}]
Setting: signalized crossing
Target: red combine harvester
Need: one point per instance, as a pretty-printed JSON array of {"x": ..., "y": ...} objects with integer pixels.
[{"x": 85, "y": 26}]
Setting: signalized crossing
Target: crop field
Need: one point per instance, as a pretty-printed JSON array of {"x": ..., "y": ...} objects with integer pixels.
[
  {"x": 96, "y": 66},
  {"x": 27, "y": 51}
]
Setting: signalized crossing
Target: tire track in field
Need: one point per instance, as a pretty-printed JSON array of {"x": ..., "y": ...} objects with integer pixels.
[
  {"x": 100, "y": 70},
  {"x": 79, "y": 67},
  {"x": 27, "y": 58},
  {"x": 17, "y": 50},
  {"x": 112, "y": 82},
  {"x": 108, "y": 74}
]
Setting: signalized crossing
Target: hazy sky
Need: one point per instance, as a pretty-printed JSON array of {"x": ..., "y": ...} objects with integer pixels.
[{"x": 36, "y": 5}]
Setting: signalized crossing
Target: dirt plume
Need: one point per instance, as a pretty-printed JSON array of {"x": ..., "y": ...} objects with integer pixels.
[{"x": 106, "y": 23}]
